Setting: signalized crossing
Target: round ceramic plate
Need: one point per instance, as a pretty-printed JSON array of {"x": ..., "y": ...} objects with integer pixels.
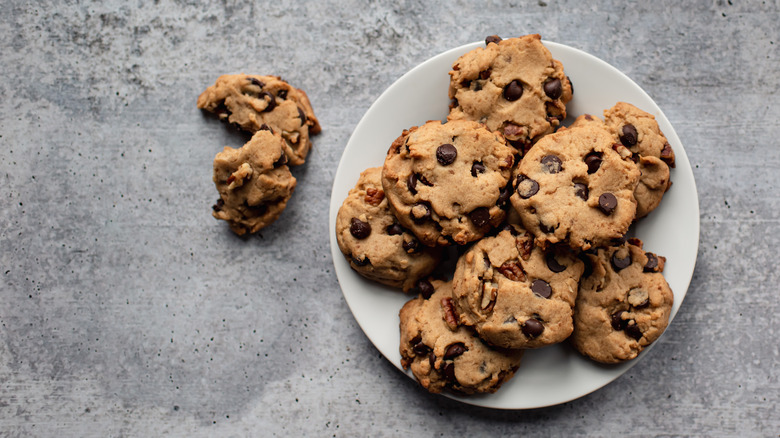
[{"x": 549, "y": 375}]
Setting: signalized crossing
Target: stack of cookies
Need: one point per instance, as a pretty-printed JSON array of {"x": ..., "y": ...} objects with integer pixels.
[
  {"x": 538, "y": 216},
  {"x": 254, "y": 182}
]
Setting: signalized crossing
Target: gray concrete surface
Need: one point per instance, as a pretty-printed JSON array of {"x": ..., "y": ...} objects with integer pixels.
[{"x": 126, "y": 310}]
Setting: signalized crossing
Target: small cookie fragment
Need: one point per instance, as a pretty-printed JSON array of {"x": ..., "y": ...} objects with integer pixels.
[
  {"x": 445, "y": 182},
  {"x": 638, "y": 131},
  {"x": 373, "y": 241},
  {"x": 623, "y": 304},
  {"x": 444, "y": 356},
  {"x": 513, "y": 86},
  {"x": 253, "y": 182},
  {"x": 515, "y": 294},
  {"x": 576, "y": 186},
  {"x": 253, "y": 101}
]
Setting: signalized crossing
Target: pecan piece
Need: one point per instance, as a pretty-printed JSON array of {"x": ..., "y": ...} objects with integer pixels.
[
  {"x": 374, "y": 196},
  {"x": 450, "y": 314},
  {"x": 512, "y": 271}
]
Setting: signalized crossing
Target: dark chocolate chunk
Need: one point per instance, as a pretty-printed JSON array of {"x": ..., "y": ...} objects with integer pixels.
[
  {"x": 513, "y": 90},
  {"x": 421, "y": 212},
  {"x": 411, "y": 183},
  {"x": 652, "y": 262},
  {"x": 359, "y": 229},
  {"x": 607, "y": 203},
  {"x": 359, "y": 262},
  {"x": 553, "y": 88},
  {"x": 492, "y": 39},
  {"x": 551, "y": 164},
  {"x": 271, "y": 101},
  {"x": 480, "y": 217},
  {"x": 553, "y": 265},
  {"x": 449, "y": 371},
  {"x": 619, "y": 263},
  {"x": 395, "y": 229},
  {"x": 541, "y": 288},
  {"x": 526, "y": 187},
  {"x": 256, "y": 82},
  {"x": 411, "y": 246},
  {"x": 632, "y": 330},
  {"x": 476, "y": 168},
  {"x": 282, "y": 94},
  {"x": 425, "y": 288},
  {"x": 532, "y": 327},
  {"x": 628, "y": 135},
  {"x": 581, "y": 191},
  {"x": 593, "y": 160},
  {"x": 618, "y": 323},
  {"x": 446, "y": 154},
  {"x": 455, "y": 350}
]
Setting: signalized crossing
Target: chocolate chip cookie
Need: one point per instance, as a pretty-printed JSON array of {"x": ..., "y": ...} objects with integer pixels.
[
  {"x": 623, "y": 305},
  {"x": 447, "y": 183},
  {"x": 638, "y": 131},
  {"x": 373, "y": 241},
  {"x": 576, "y": 186},
  {"x": 252, "y": 101},
  {"x": 442, "y": 354},
  {"x": 253, "y": 182},
  {"x": 515, "y": 294},
  {"x": 513, "y": 86}
]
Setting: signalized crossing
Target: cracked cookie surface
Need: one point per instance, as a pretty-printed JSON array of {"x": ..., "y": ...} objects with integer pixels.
[
  {"x": 252, "y": 101},
  {"x": 513, "y": 86},
  {"x": 447, "y": 182},
  {"x": 374, "y": 243},
  {"x": 576, "y": 186},
  {"x": 253, "y": 182},
  {"x": 442, "y": 354},
  {"x": 623, "y": 305},
  {"x": 515, "y": 294}
]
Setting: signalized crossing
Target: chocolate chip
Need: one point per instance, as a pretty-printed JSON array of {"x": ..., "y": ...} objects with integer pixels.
[
  {"x": 545, "y": 229},
  {"x": 432, "y": 360},
  {"x": 425, "y": 288},
  {"x": 282, "y": 94},
  {"x": 581, "y": 191},
  {"x": 411, "y": 183},
  {"x": 652, "y": 262},
  {"x": 607, "y": 203},
  {"x": 541, "y": 288},
  {"x": 588, "y": 265},
  {"x": 553, "y": 265},
  {"x": 551, "y": 164},
  {"x": 466, "y": 83},
  {"x": 593, "y": 160},
  {"x": 281, "y": 161},
  {"x": 476, "y": 168},
  {"x": 359, "y": 229},
  {"x": 628, "y": 135},
  {"x": 620, "y": 263},
  {"x": 421, "y": 212},
  {"x": 484, "y": 74},
  {"x": 218, "y": 206},
  {"x": 667, "y": 155},
  {"x": 454, "y": 351},
  {"x": 526, "y": 187},
  {"x": 449, "y": 371},
  {"x": 271, "y": 101},
  {"x": 265, "y": 127},
  {"x": 395, "y": 229},
  {"x": 256, "y": 82},
  {"x": 411, "y": 246},
  {"x": 419, "y": 348},
  {"x": 492, "y": 39},
  {"x": 359, "y": 262},
  {"x": 553, "y": 88},
  {"x": 513, "y": 91},
  {"x": 532, "y": 327},
  {"x": 618, "y": 323},
  {"x": 302, "y": 116},
  {"x": 504, "y": 195},
  {"x": 480, "y": 217},
  {"x": 632, "y": 330},
  {"x": 446, "y": 154}
]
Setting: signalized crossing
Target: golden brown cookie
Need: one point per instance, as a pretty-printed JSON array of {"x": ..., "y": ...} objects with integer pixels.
[
  {"x": 253, "y": 182},
  {"x": 373, "y": 241},
  {"x": 515, "y": 294},
  {"x": 576, "y": 186},
  {"x": 513, "y": 86},
  {"x": 442, "y": 354},
  {"x": 447, "y": 182},
  {"x": 252, "y": 101},
  {"x": 623, "y": 304}
]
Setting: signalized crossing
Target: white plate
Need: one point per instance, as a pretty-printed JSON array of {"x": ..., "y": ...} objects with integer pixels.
[{"x": 554, "y": 374}]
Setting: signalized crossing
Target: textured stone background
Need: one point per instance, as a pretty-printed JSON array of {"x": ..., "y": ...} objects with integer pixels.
[{"x": 126, "y": 310}]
